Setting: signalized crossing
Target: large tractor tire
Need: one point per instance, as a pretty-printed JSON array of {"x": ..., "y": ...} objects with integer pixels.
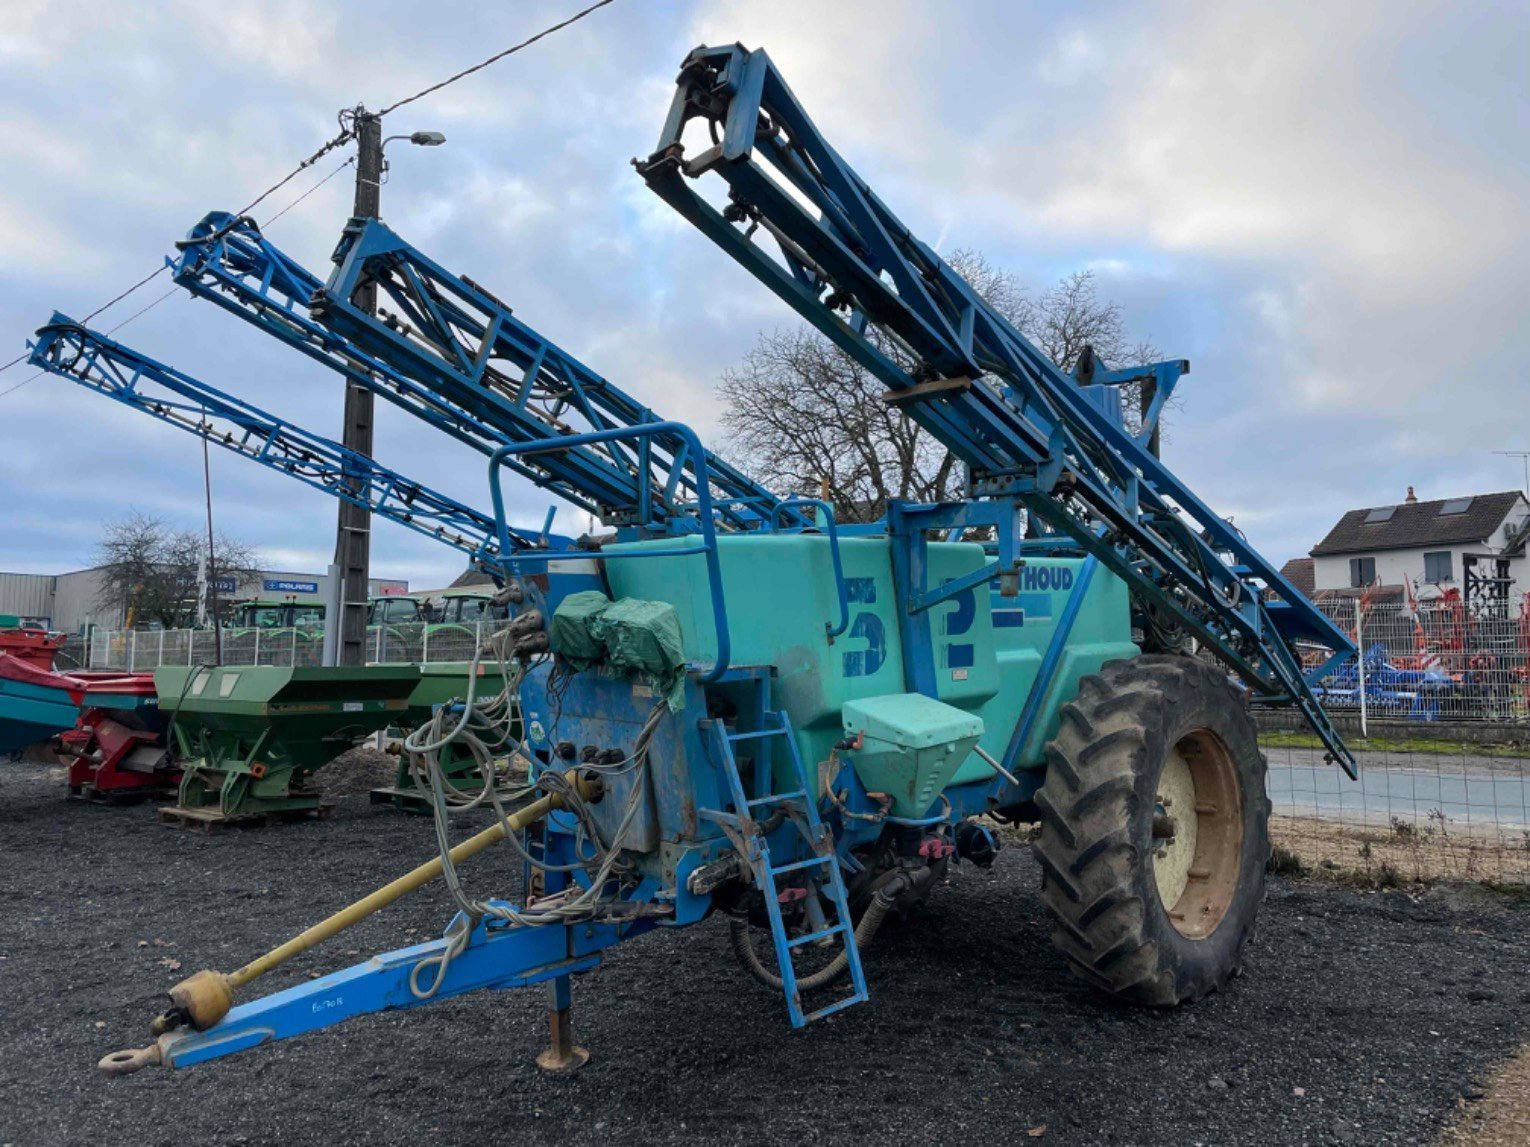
[{"x": 1154, "y": 830}]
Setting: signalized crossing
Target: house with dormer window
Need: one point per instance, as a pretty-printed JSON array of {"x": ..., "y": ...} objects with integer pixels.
[{"x": 1473, "y": 544}]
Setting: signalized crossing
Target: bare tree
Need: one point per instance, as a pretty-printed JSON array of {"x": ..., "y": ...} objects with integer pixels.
[
  {"x": 803, "y": 412},
  {"x": 151, "y": 570}
]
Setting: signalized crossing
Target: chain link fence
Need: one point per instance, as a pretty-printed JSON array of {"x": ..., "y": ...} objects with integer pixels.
[
  {"x": 1435, "y": 661},
  {"x": 139, "y": 650},
  {"x": 1418, "y": 812},
  {"x": 1438, "y": 709}
]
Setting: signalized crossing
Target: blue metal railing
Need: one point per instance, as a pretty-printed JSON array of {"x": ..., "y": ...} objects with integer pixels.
[
  {"x": 832, "y": 530},
  {"x": 639, "y": 434}
]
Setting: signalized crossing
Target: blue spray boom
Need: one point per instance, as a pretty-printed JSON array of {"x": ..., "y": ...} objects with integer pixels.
[{"x": 801, "y": 220}]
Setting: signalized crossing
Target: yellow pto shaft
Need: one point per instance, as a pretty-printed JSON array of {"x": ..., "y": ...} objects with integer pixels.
[{"x": 206, "y": 997}]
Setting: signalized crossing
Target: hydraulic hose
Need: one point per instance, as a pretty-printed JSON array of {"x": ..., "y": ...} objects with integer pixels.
[
  {"x": 882, "y": 902},
  {"x": 743, "y": 948}
]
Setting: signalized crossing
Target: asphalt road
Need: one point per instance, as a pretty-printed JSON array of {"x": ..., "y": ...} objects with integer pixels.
[{"x": 1362, "y": 1018}]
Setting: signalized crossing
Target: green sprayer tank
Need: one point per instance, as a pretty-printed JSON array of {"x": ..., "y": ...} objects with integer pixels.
[{"x": 780, "y": 590}]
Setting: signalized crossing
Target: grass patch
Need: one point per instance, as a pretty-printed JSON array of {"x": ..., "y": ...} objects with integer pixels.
[{"x": 1403, "y": 854}]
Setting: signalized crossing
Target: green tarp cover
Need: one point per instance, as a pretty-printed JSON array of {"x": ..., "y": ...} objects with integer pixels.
[
  {"x": 570, "y": 635},
  {"x": 628, "y": 639}
]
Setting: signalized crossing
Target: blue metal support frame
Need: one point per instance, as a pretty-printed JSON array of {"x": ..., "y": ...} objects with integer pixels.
[
  {"x": 909, "y": 526},
  {"x": 497, "y": 956},
  {"x": 691, "y": 445},
  {"x": 1024, "y": 428},
  {"x": 1046, "y": 673},
  {"x": 70, "y": 350},
  {"x": 1164, "y": 376}
]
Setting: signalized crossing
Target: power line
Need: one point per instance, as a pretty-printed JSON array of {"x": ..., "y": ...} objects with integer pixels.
[
  {"x": 574, "y": 19},
  {"x": 173, "y": 290},
  {"x": 346, "y": 134},
  {"x": 23, "y": 382},
  {"x": 149, "y": 278},
  {"x": 309, "y": 192}
]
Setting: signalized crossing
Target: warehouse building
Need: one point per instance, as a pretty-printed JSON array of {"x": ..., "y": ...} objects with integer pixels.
[{"x": 71, "y": 602}]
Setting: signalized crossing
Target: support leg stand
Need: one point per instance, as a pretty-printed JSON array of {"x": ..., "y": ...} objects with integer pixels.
[{"x": 561, "y": 1056}]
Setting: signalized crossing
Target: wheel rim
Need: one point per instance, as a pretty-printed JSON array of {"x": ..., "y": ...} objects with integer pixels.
[{"x": 1198, "y": 834}]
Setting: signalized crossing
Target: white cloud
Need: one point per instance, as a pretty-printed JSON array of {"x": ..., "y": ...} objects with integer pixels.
[{"x": 1325, "y": 207}]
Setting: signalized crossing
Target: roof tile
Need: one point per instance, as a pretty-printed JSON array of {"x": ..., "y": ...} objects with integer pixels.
[{"x": 1415, "y": 524}]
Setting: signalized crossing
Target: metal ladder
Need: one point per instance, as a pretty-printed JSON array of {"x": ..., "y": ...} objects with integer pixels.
[{"x": 821, "y": 870}]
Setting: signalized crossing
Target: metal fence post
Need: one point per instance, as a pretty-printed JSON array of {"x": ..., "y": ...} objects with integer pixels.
[
  {"x": 425, "y": 644},
  {"x": 132, "y": 650},
  {"x": 161, "y": 659},
  {"x": 256, "y": 660},
  {"x": 1360, "y": 647}
]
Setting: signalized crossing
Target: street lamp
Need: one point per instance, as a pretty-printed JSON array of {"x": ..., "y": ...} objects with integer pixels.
[{"x": 419, "y": 138}]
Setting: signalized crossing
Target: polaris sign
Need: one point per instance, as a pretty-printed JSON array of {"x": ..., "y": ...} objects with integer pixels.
[{"x": 278, "y": 585}]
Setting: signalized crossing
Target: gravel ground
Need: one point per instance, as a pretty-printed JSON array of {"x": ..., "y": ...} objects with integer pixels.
[{"x": 1362, "y": 1018}]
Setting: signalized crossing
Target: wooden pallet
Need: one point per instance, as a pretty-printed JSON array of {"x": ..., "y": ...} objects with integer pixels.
[
  {"x": 208, "y": 819},
  {"x": 92, "y": 795}
]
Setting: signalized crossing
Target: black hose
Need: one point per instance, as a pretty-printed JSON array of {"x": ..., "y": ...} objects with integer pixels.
[
  {"x": 882, "y": 902},
  {"x": 743, "y": 948}
]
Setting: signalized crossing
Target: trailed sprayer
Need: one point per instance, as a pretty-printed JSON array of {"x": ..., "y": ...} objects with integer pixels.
[{"x": 735, "y": 706}]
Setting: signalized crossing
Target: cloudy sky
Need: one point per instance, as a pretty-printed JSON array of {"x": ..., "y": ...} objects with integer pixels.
[{"x": 1326, "y": 208}]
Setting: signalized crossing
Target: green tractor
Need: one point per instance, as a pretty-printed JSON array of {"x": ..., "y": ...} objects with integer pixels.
[
  {"x": 464, "y": 617},
  {"x": 396, "y": 628},
  {"x": 410, "y": 628},
  {"x": 281, "y": 631}
]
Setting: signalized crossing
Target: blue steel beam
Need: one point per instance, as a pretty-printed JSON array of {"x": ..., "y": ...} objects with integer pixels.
[
  {"x": 1024, "y": 428},
  {"x": 454, "y": 355},
  {"x": 70, "y": 350},
  {"x": 497, "y": 956}
]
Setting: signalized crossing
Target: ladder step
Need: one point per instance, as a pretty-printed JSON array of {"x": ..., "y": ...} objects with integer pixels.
[
  {"x": 833, "y": 930},
  {"x": 756, "y": 734},
  {"x": 795, "y": 794},
  {"x": 801, "y": 864},
  {"x": 837, "y": 1006}
]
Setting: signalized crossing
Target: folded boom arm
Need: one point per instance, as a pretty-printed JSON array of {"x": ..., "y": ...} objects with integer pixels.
[
  {"x": 452, "y": 354},
  {"x": 803, "y": 222},
  {"x": 70, "y": 350}
]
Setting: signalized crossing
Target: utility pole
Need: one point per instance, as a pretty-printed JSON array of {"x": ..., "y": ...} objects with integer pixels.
[
  {"x": 212, "y": 565},
  {"x": 353, "y": 539}
]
